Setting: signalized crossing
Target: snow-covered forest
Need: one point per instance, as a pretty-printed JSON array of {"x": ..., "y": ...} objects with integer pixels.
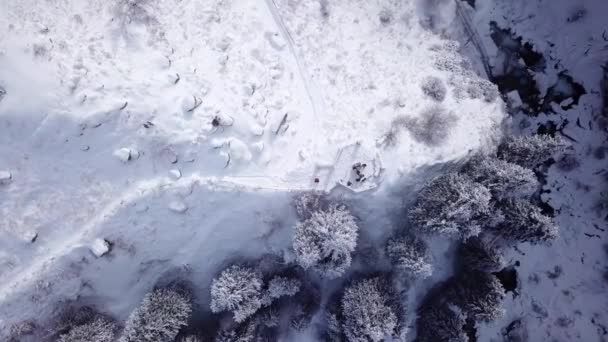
[{"x": 303, "y": 170}]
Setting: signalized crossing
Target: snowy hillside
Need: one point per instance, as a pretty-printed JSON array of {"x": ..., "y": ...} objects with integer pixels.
[{"x": 140, "y": 139}]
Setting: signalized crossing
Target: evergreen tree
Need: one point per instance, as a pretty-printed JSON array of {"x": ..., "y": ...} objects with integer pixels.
[
  {"x": 99, "y": 330},
  {"x": 239, "y": 290},
  {"x": 524, "y": 222},
  {"x": 504, "y": 179},
  {"x": 368, "y": 312},
  {"x": 477, "y": 255},
  {"x": 411, "y": 255},
  {"x": 479, "y": 295},
  {"x": 160, "y": 317},
  {"x": 326, "y": 240},
  {"x": 529, "y": 151},
  {"x": 453, "y": 205}
]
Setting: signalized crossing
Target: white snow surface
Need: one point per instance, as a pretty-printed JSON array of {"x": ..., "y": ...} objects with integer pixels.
[{"x": 250, "y": 100}]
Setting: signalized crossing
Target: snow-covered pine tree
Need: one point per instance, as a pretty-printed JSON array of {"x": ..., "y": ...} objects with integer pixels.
[
  {"x": 524, "y": 222},
  {"x": 239, "y": 290},
  {"x": 326, "y": 240},
  {"x": 440, "y": 321},
  {"x": 368, "y": 312},
  {"x": 99, "y": 330},
  {"x": 410, "y": 254},
  {"x": 478, "y": 255},
  {"x": 160, "y": 316},
  {"x": 479, "y": 295},
  {"x": 452, "y": 204},
  {"x": 529, "y": 151},
  {"x": 306, "y": 203},
  {"x": 190, "y": 338},
  {"x": 504, "y": 179}
]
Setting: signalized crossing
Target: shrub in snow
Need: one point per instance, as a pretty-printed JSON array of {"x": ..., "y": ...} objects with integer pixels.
[
  {"x": 479, "y": 295},
  {"x": 367, "y": 311},
  {"x": 280, "y": 287},
  {"x": 434, "y": 88},
  {"x": 451, "y": 204},
  {"x": 440, "y": 321},
  {"x": 478, "y": 255},
  {"x": 529, "y": 151},
  {"x": 504, "y": 179},
  {"x": 239, "y": 290},
  {"x": 160, "y": 316},
  {"x": 99, "y": 330},
  {"x": 432, "y": 127},
  {"x": 524, "y": 222},
  {"x": 5, "y": 177},
  {"x": 326, "y": 240},
  {"x": 411, "y": 255},
  {"x": 73, "y": 316}
]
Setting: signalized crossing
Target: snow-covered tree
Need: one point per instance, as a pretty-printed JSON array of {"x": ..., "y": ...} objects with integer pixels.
[
  {"x": 239, "y": 290},
  {"x": 478, "y": 255},
  {"x": 529, "y": 151},
  {"x": 160, "y": 317},
  {"x": 504, "y": 179},
  {"x": 410, "y": 254},
  {"x": 440, "y": 321},
  {"x": 326, "y": 240},
  {"x": 452, "y": 204},
  {"x": 524, "y": 222},
  {"x": 280, "y": 287},
  {"x": 190, "y": 338},
  {"x": 245, "y": 332},
  {"x": 309, "y": 202},
  {"x": 99, "y": 330},
  {"x": 479, "y": 295},
  {"x": 434, "y": 88},
  {"x": 367, "y": 311}
]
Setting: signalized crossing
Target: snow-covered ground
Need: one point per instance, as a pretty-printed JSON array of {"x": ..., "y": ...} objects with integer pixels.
[
  {"x": 562, "y": 291},
  {"x": 177, "y": 131}
]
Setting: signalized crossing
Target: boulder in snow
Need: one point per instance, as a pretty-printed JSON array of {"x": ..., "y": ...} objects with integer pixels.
[
  {"x": 5, "y": 177},
  {"x": 100, "y": 247},
  {"x": 175, "y": 174},
  {"x": 126, "y": 154},
  {"x": 178, "y": 207}
]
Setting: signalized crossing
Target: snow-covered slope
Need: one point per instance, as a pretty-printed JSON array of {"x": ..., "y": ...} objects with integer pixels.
[{"x": 175, "y": 129}]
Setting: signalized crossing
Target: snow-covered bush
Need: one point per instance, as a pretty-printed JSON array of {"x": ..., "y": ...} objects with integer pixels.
[
  {"x": 326, "y": 240},
  {"x": 440, "y": 321},
  {"x": 524, "y": 222},
  {"x": 433, "y": 126},
  {"x": 479, "y": 295},
  {"x": 529, "y": 151},
  {"x": 411, "y": 255},
  {"x": 160, "y": 316},
  {"x": 451, "y": 204},
  {"x": 367, "y": 311},
  {"x": 280, "y": 287},
  {"x": 478, "y": 255},
  {"x": 434, "y": 88},
  {"x": 504, "y": 179},
  {"x": 239, "y": 290},
  {"x": 99, "y": 330}
]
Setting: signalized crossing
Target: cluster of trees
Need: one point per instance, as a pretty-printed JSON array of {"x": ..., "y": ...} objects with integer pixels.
[
  {"x": 490, "y": 194},
  {"x": 487, "y": 201}
]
